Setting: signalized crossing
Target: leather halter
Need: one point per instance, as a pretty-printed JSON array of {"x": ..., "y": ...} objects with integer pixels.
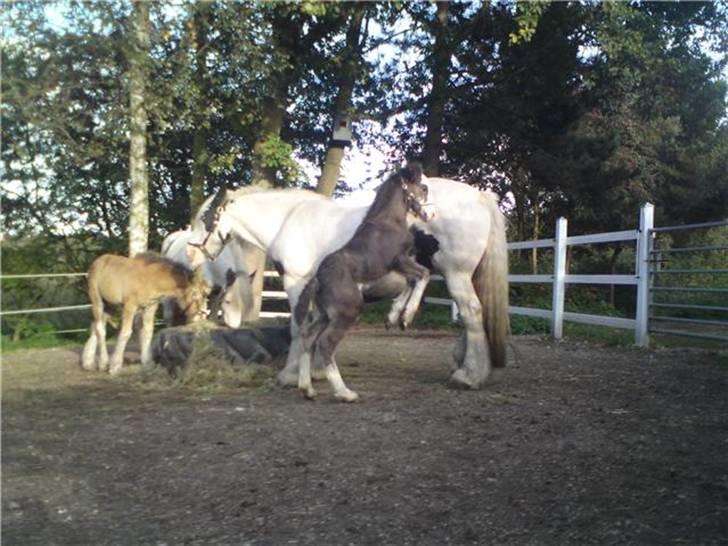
[
  {"x": 412, "y": 203},
  {"x": 211, "y": 228}
]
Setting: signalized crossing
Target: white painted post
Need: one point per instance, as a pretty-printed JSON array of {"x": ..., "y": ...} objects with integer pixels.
[
  {"x": 454, "y": 313},
  {"x": 557, "y": 305},
  {"x": 644, "y": 245}
]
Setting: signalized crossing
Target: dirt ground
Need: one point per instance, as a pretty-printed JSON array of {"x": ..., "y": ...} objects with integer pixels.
[{"x": 577, "y": 444}]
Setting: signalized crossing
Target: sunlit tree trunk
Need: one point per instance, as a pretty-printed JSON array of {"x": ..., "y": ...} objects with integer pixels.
[
  {"x": 342, "y": 108},
  {"x": 138, "y": 174},
  {"x": 200, "y": 154},
  {"x": 438, "y": 97}
]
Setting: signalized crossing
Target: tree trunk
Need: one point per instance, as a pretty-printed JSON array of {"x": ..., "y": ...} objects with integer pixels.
[
  {"x": 534, "y": 236},
  {"x": 138, "y": 174},
  {"x": 273, "y": 112},
  {"x": 273, "y": 108},
  {"x": 349, "y": 74},
  {"x": 438, "y": 97},
  {"x": 200, "y": 155}
]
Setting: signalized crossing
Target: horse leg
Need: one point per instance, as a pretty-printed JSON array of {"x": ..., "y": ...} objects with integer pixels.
[
  {"x": 398, "y": 306},
  {"x": 418, "y": 276},
  {"x": 288, "y": 376},
  {"x": 88, "y": 360},
  {"x": 326, "y": 345},
  {"x": 475, "y": 367},
  {"x": 145, "y": 334},
  {"x": 309, "y": 334},
  {"x": 127, "y": 322},
  {"x": 103, "y": 349},
  {"x": 413, "y": 302}
]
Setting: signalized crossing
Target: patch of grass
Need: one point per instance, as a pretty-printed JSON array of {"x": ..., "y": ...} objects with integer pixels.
[
  {"x": 659, "y": 341},
  {"x": 428, "y": 316},
  {"x": 522, "y": 325},
  {"x": 611, "y": 337},
  {"x": 45, "y": 340}
]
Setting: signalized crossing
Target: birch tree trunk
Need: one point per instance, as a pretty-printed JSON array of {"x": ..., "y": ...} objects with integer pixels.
[
  {"x": 138, "y": 174},
  {"x": 342, "y": 107},
  {"x": 200, "y": 155}
]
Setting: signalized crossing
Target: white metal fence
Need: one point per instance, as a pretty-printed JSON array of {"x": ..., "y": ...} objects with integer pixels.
[{"x": 640, "y": 279}]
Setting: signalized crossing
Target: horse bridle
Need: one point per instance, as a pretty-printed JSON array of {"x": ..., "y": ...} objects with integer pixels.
[
  {"x": 210, "y": 219},
  {"x": 203, "y": 245},
  {"x": 411, "y": 202}
]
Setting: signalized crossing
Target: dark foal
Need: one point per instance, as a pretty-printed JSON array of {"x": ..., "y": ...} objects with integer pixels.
[{"x": 332, "y": 301}]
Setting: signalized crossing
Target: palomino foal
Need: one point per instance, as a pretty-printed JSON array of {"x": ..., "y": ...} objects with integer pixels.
[
  {"x": 332, "y": 300},
  {"x": 134, "y": 283}
]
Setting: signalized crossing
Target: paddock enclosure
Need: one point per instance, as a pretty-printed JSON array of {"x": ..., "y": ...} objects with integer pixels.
[{"x": 575, "y": 444}]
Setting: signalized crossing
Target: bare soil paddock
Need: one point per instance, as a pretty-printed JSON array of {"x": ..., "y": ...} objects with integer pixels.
[{"x": 577, "y": 444}]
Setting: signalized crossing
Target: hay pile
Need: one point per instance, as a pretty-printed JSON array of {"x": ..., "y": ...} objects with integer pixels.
[{"x": 206, "y": 357}]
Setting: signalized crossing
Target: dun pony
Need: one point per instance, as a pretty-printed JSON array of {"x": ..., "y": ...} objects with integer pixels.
[
  {"x": 332, "y": 300},
  {"x": 136, "y": 283}
]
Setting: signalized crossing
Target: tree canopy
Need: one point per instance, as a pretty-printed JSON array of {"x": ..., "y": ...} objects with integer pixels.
[{"x": 582, "y": 109}]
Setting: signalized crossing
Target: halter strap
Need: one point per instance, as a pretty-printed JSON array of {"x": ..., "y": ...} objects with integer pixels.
[
  {"x": 210, "y": 219},
  {"x": 412, "y": 203}
]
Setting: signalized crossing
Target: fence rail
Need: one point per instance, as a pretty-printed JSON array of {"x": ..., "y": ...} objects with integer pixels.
[
  {"x": 712, "y": 328},
  {"x": 646, "y": 270}
]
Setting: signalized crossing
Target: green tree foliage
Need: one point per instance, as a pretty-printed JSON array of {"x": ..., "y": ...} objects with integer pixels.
[{"x": 581, "y": 109}]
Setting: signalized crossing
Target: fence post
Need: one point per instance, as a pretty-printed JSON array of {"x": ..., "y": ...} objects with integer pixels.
[
  {"x": 644, "y": 240},
  {"x": 557, "y": 305},
  {"x": 454, "y": 313}
]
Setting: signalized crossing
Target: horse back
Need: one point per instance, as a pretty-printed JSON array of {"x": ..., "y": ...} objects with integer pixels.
[{"x": 140, "y": 280}]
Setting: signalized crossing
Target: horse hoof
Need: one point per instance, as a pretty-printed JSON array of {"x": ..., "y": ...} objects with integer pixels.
[
  {"x": 387, "y": 324},
  {"x": 309, "y": 393},
  {"x": 460, "y": 380},
  {"x": 403, "y": 324},
  {"x": 348, "y": 396}
]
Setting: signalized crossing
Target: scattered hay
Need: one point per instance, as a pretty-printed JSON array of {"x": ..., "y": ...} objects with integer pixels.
[
  {"x": 209, "y": 366},
  {"x": 208, "y": 369}
]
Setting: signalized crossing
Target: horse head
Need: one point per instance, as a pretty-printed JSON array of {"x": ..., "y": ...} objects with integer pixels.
[
  {"x": 415, "y": 192},
  {"x": 194, "y": 297},
  {"x": 209, "y": 236}
]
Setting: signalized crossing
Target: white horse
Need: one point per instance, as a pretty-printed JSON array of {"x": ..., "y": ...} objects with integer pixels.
[
  {"x": 465, "y": 241},
  {"x": 227, "y": 276}
]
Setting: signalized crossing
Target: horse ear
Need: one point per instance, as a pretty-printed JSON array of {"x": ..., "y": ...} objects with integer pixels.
[{"x": 412, "y": 172}]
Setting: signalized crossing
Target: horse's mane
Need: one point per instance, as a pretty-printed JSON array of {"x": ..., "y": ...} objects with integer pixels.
[
  {"x": 151, "y": 258},
  {"x": 230, "y": 195},
  {"x": 384, "y": 195}
]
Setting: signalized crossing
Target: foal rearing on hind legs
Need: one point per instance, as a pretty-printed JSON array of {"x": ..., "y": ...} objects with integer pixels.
[{"x": 332, "y": 300}]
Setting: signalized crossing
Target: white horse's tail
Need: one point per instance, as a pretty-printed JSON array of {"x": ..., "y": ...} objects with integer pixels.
[{"x": 490, "y": 281}]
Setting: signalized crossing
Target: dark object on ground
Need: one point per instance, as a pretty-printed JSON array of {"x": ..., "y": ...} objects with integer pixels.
[{"x": 172, "y": 347}]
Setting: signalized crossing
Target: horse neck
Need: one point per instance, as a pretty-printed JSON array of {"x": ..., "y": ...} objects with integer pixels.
[
  {"x": 388, "y": 205},
  {"x": 258, "y": 217}
]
